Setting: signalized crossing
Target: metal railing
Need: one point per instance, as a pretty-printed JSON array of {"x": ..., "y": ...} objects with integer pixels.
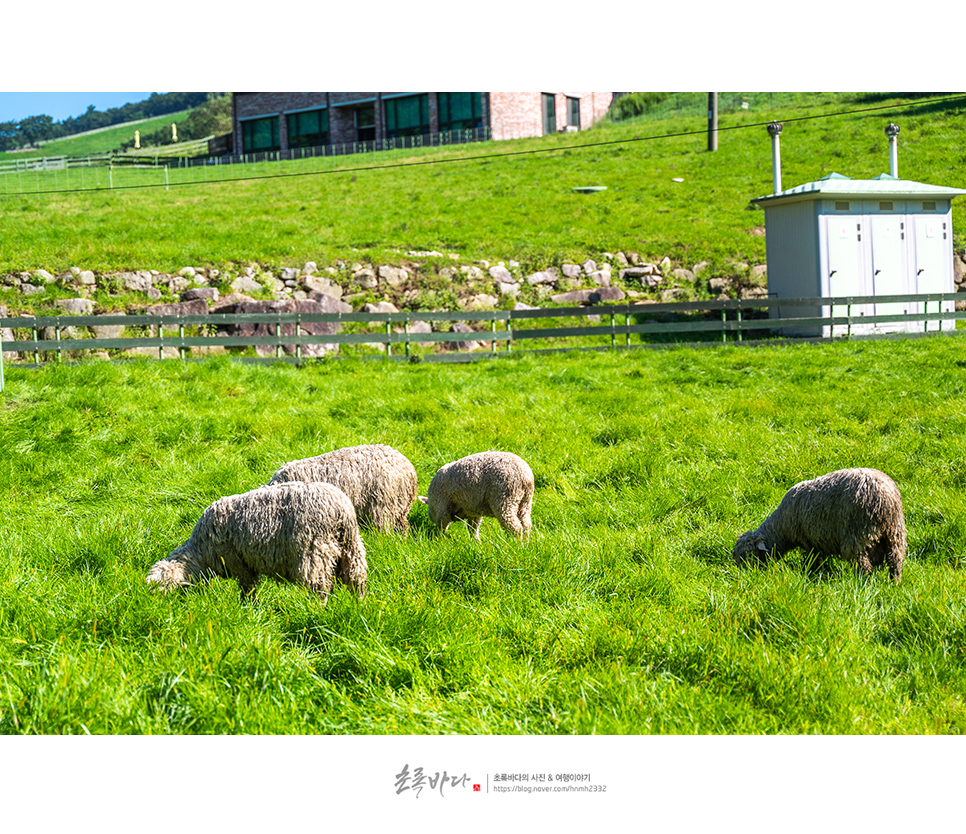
[{"x": 599, "y": 327}]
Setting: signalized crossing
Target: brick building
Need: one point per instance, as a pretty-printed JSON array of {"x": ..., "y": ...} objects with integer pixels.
[{"x": 283, "y": 121}]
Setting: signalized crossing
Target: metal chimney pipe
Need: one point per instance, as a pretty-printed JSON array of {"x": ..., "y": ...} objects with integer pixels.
[
  {"x": 892, "y": 131},
  {"x": 774, "y": 130}
]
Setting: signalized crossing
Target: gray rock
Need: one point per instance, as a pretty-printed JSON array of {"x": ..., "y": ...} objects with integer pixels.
[
  {"x": 542, "y": 277},
  {"x": 330, "y": 302},
  {"x": 601, "y": 277},
  {"x": 201, "y": 292},
  {"x": 108, "y": 331},
  {"x": 501, "y": 273},
  {"x": 75, "y": 306},
  {"x": 135, "y": 281},
  {"x": 324, "y": 304},
  {"x": 85, "y": 276},
  {"x": 309, "y": 268},
  {"x": 290, "y": 273},
  {"x": 717, "y": 284},
  {"x": 321, "y": 284},
  {"x": 684, "y": 275},
  {"x": 468, "y": 345},
  {"x": 759, "y": 271},
  {"x": 601, "y": 294},
  {"x": 44, "y": 276},
  {"x": 381, "y": 307},
  {"x": 589, "y": 266},
  {"x": 480, "y": 302},
  {"x": 571, "y": 271},
  {"x": 366, "y": 279},
  {"x": 245, "y": 284},
  {"x": 393, "y": 275},
  {"x": 176, "y": 283},
  {"x": 31, "y": 289},
  {"x": 507, "y": 288},
  {"x": 195, "y": 307},
  {"x": 699, "y": 268}
]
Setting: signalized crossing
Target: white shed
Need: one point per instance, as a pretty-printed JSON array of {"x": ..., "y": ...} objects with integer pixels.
[{"x": 843, "y": 237}]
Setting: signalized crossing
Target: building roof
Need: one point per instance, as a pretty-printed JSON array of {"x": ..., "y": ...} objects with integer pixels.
[{"x": 837, "y": 185}]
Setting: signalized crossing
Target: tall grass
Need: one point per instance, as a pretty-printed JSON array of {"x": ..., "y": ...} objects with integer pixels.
[{"x": 623, "y": 615}]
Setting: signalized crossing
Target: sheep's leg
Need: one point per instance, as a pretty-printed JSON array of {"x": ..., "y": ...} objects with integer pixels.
[
  {"x": 352, "y": 572},
  {"x": 891, "y": 555},
  {"x": 474, "y": 525},
  {"x": 247, "y": 582},
  {"x": 402, "y": 525},
  {"x": 523, "y": 513},
  {"x": 316, "y": 569},
  {"x": 509, "y": 521}
]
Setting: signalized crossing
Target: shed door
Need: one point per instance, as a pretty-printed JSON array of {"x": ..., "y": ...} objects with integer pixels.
[
  {"x": 932, "y": 274},
  {"x": 843, "y": 237},
  {"x": 888, "y": 251}
]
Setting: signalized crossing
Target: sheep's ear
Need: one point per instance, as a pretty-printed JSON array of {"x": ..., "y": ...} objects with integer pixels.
[
  {"x": 762, "y": 548},
  {"x": 424, "y": 499}
]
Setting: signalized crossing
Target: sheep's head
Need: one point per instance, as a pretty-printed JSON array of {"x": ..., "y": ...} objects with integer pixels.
[
  {"x": 167, "y": 575},
  {"x": 751, "y": 546}
]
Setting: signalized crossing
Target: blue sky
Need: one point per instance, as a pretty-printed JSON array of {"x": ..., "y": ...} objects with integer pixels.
[{"x": 60, "y": 106}]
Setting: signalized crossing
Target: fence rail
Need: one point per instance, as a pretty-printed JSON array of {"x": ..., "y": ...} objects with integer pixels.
[{"x": 599, "y": 327}]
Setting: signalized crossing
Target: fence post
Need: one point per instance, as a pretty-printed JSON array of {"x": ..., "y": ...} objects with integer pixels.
[
  {"x": 388, "y": 342},
  {"x": 493, "y": 334},
  {"x": 613, "y": 334},
  {"x": 60, "y": 353},
  {"x": 738, "y": 312},
  {"x": 298, "y": 343},
  {"x": 724, "y": 324},
  {"x": 160, "y": 341},
  {"x": 406, "y": 332},
  {"x": 33, "y": 331},
  {"x": 181, "y": 336},
  {"x": 848, "y": 314}
]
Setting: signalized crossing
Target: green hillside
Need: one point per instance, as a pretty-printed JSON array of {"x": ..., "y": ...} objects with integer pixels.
[{"x": 666, "y": 194}]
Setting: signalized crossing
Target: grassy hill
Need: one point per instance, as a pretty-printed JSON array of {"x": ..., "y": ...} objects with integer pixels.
[
  {"x": 98, "y": 141},
  {"x": 666, "y": 195}
]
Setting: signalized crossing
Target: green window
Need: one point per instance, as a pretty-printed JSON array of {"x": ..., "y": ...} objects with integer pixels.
[
  {"x": 460, "y": 111},
  {"x": 407, "y": 116},
  {"x": 549, "y": 113},
  {"x": 260, "y": 135},
  {"x": 573, "y": 111},
  {"x": 308, "y": 129}
]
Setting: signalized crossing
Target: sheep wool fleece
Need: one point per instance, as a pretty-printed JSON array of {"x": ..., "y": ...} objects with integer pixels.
[
  {"x": 379, "y": 480},
  {"x": 494, "y": 484},
  {"x": 853, "y": 514},
  {"x": 298, "y": 532}
]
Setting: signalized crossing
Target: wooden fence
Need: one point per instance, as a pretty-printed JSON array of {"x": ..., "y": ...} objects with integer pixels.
[{"x": 600, "y": 327}]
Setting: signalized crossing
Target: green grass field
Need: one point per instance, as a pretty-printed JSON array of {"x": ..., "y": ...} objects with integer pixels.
[
  {"x": 623, "y": 615},
  {"x": 494, "y": 201}
]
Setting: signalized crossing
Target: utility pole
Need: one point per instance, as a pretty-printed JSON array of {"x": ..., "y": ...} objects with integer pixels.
[{"x": 712, "y": 121}]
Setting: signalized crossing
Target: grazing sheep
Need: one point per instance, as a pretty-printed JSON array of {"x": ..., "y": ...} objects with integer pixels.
[
  {"x": 380, "y": 482},
  {"x": 855, "y": 514},
  {"x": 494, "y": 484},
  {"x": 303, "y": 533}
]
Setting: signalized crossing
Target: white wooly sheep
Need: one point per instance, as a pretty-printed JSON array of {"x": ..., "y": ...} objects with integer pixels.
[
  {"x": 302, "y": 533},
  {"x": 379, "y": 480},
  {"x": 494, "y": 484},
  {"x": 854, "y": 514}
]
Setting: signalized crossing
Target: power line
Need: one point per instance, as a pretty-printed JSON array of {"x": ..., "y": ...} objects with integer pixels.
[{"x": 503, "y": 154}]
